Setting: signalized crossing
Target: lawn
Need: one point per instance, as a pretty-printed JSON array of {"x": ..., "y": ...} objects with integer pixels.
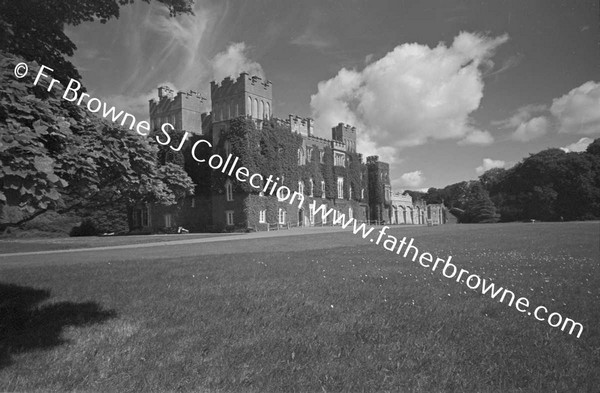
[{"x": 314, "y": 313}]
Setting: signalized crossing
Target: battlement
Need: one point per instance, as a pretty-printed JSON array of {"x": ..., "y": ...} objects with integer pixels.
[
  {"x": 345, "y": 133},
  {"x": 244, "y": 96},
  {"x": 182, "y": 110},
  {"x": 299, "y": 125},
  {"x": 169, "y": 101},
  {"x": 244, "y": 83}
]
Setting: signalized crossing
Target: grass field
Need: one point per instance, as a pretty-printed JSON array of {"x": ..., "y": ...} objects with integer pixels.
[{"x": 314, "y": 313}]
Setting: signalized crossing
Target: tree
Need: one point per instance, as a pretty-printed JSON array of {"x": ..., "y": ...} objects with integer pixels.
[
  {"x": 34, "y": 29},
  {"x": 479, "y": 207},
  {"x": 54, "y": 155}
]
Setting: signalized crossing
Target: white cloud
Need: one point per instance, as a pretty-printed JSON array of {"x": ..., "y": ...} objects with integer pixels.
[
  {"x": 578, "y": 146},
  {"x": 488, "y": 164},
  {"x": 477, "y": 137},
  {"x": 531, "y": 129},
  {"x": 578, "y": 111},
  {"x": 411, "y": 179},
  {"x": 412, "y": 95},
  {"x": 232, "y": 61}
]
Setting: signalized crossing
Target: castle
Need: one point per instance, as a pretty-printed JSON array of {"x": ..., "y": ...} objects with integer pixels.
[{"x": 325, "y": 171}]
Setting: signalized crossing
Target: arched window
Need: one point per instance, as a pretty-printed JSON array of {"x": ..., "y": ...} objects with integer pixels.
[
  {"x": 300, "y": 156},
  {"x": 261, "y": 109},
  {"x": 312, "y": 187},
  {"x": 249, "y": 107},
  {"x": 228, "y": 190},
  {"x": 350, "y": 191},
  {"x": 255, "y": 108},
  {"x": 268, "y": 111}
]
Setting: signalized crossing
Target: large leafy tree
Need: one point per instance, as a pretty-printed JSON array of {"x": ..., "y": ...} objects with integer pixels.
[
  {"x": 35, "y": 29},
  {"x": 55, "y": 155}
]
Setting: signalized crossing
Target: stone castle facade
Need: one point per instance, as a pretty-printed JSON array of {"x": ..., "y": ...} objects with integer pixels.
[{"x": 368, "y": 199}]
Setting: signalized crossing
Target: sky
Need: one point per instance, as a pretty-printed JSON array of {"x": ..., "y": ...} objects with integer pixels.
[{"x": 442, "y": 90}]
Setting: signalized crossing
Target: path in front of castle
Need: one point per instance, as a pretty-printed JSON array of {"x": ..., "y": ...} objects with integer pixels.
[{"x": 227, "y": 243}]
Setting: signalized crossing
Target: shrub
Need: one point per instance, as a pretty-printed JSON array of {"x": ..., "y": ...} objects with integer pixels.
[{"x": 87, "y": 228}]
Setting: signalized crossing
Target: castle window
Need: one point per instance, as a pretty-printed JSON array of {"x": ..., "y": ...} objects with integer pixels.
[
  {"x": 261, "y": 109},
  {"x": 255, "y": 108},
  {"x": 268, "y": 111},
  {"x": 227, "y": 148},
  {"x": 308, "y": 154},
  {"x": 281, "y": 216},
  {"x": 340, "y": 187},
  {"x": 262, "y": 216},
  {"x": 249, "y": 108},
  {"x": 321, "y": 156},
  {"x": 350, "y": 191},
  {"x": 312, "y": 187},
  {"x": 229, "y": 217},
  {"x": 350, "y": 213},
  {"x": 228, "y": 190},
  {"x": 339, "y": 159},
  {"x": 322, "y": 188},
  {"x": 301, "y": 187},
  {"x": 300, "y": 156},
  {"x": 362, "y": 193},
  {"x": 311, "y": 209}
]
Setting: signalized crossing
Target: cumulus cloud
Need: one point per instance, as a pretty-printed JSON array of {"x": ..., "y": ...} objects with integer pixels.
[
  {"x": 232, "y": 61},
  {"x": 411, "y": 179},
  {"x": 488, "y": 164},
  {"x": 578, "y": 111},
  {"x": 413, "y": 94},
  {"x": 578, "y": 146},
  {"x": 527, "y": 123},
  {"x": 531, "y": 129},
  {"x": 477, "y": 137}
]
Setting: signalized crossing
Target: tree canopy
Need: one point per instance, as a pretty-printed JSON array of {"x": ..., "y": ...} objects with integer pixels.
[{"x": 55, "y": 155}]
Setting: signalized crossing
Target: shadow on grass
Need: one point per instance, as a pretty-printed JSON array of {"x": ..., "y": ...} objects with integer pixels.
[{"x": 26, "y": 326}]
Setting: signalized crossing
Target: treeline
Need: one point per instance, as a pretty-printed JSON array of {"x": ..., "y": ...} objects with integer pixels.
[{"x": 551, "y": 185}]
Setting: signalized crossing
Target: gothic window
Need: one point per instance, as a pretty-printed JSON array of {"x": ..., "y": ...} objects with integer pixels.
[
  {"x": 322, "y": 188},
  {"x": 228, "y": 190},
  {"x": 300, "y": 156},
  {"x": 340, "y": 187},
  {"x": 362, "y": 193},
  {"x": 249, "y": 107},
  {"x": 229, "y": 217},
  {"x": 308, "y": 154},
  {"x": 301, "y": 187},
  {"x": 350, "y": 213},
  {"x": 321, "y": 156},
  {"x": 261, "y": 109},
  {"x": 268, "y": 111},
  {"x": 255, "y": 108},
  {"x": 350, "y": 191},
  {"x": 312, "y": 187}
]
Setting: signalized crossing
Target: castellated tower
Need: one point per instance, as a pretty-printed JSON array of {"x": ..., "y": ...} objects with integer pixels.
[
  {"x": 345, "y": 134},
  {"x": 246, "y": 96},
  {"x": 183, "y": 110}
]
